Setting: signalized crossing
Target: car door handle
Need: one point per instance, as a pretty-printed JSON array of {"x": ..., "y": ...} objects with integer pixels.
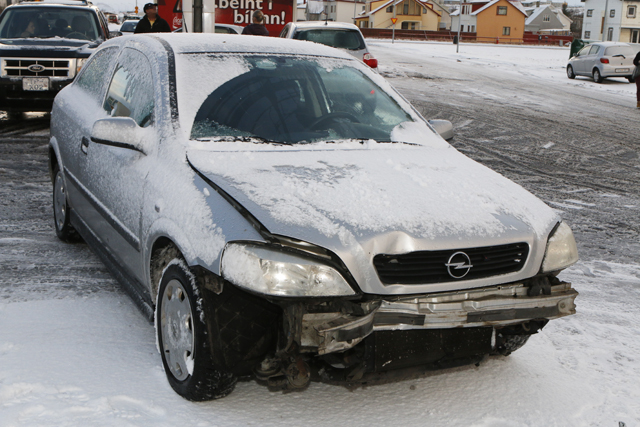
[{"x": 84, "y": 146}]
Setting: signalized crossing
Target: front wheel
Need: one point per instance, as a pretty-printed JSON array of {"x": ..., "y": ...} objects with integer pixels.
[
  {"x": 570, "y": 72},
  {"x": 182, "y": 320},
  {"x": 597, "y": 77},
  {"x": 61, "y": 211}
]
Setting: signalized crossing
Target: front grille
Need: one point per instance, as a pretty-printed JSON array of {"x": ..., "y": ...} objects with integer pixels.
[
  {"x": 19, "y": 67},
  {"x": 425, "y": 267}
]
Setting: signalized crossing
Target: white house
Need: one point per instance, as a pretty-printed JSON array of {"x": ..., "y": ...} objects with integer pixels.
[{"x": 620, "y": 22}]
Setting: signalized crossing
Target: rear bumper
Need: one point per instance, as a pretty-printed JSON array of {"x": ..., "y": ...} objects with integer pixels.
[
  {"x": 608, "y": 70},
  {"x": 500, "y": 306}
]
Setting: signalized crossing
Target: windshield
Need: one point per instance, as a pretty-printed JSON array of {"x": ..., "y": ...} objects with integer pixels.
[
  {"x": 129, "y": 26},
  {"x": 296, "y": 100},
  {"x": 341, "y": 39},
  {"x": 627, "y": 51},
  {"x": 45, "y": 22}
]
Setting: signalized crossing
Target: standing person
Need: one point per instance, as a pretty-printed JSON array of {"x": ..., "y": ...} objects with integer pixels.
[
  {"x": 636, "y": 62},
  {"x": 152, "y": 22},
  {"x": 257, "y": 28}
]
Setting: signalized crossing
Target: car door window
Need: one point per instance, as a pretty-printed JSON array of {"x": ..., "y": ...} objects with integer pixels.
[
  {"x": 95, "y": 72},
  {"x": 131, "y": 90}
]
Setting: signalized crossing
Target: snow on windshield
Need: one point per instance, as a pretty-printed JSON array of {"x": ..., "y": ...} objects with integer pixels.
[{"x": 291, "y": 99}]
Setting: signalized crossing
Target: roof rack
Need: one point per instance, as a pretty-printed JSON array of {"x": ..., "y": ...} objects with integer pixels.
[{"x": 67, "y": 2}]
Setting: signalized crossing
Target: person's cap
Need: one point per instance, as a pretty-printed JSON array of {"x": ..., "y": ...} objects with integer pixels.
[{"x": 149, "y": 6}]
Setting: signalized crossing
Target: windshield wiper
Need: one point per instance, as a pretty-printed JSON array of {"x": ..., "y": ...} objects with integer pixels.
[{"x": 253, "y": 139}]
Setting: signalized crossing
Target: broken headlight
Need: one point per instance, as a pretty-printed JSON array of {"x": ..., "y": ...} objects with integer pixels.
[
  {"x": 561, "y": 249},
  {"x": 277, "y": 273}
]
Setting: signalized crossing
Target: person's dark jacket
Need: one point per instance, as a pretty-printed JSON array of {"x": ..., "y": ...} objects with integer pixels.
[
  {"x": 636, "y": 60},
  {"x": 159, "y": 26},
  {"x": 255, "y": 30}
]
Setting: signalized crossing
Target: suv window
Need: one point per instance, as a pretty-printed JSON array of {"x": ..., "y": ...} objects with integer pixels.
[
  {"x": 95, "y": 72},
  {"x": 342, "y": 39},
  {"x": 131, "y": 89},
  {"x": 38, "y": 21}
]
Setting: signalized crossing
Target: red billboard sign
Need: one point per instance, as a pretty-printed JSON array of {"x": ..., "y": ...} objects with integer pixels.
[{"x": 236, "y": 12}]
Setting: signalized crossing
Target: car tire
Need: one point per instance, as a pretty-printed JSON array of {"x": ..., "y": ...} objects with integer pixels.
[
  {"x": 570, "y": 72},
  {"x": 182, "y": 328},
  {"x": 597, "y": 77},
  {"x": 61, "y": 210}
]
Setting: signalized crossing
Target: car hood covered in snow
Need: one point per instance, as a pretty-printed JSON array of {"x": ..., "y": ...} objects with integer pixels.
[{"x": 362, "y": 199}]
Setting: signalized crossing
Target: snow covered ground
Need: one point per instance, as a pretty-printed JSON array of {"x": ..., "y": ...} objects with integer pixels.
[{"x": 75, "y": 351}]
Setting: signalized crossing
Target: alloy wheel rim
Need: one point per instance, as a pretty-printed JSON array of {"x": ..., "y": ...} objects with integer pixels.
[
  {"x": 59, "y": 202},
  {"x": 176, "y": 324}
]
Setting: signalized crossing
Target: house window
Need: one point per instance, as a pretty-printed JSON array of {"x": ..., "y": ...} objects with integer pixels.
[
  {"x": 390, "y": 9},
  {"x": 631, "y": 11},
  {"x": 590, "y": 13},
  {"x": 506, "y": 31},
  {"x": 502, "y": 10},
  {"x": 466, "y": 9},
  {"x": 410, "y": 7},
  {"x": 587, "y": 35},
  {"x": 546, "y": 18},
  {"x": 610, "y": 34},
  {"x": 408, "y": 25},
  {"x": 472, "y": 29},
  {"x": 612, "y": 13}
]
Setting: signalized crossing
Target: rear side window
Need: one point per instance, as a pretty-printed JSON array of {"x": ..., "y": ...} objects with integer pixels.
[
  {"x": 131, "y": 90},
  {"x": 594, "y": 50},
  {"x": 341, "y": 39},
  {"x": 95, "y": 73}
]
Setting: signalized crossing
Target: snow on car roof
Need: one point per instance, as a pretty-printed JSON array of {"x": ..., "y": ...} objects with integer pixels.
[
  {"x": 225, "y": 43},
  {"x": 321, "y": 24}
]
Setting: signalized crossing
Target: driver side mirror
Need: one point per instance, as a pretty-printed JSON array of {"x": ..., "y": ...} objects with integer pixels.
[
  {"x": 121, "y": 132},
  {"x": 443, "y": 127}
]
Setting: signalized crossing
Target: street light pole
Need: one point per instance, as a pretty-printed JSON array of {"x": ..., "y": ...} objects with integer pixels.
[
  {"x": 459, "y": 26},
  {"x": 393, "y": 31}
]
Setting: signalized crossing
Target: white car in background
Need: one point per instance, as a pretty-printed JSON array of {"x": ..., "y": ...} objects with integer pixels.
[{"x": 340, "y": 35}]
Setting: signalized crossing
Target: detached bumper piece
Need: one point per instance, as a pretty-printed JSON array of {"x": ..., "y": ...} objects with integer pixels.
[
  {"x": 388, "y": 339},
  {"x": 497, "y": 307}
]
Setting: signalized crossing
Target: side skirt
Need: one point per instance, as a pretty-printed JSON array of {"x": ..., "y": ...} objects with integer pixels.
[{"x": 134, "y": 288}]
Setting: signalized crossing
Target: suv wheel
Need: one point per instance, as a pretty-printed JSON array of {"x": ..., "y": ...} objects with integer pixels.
[{"x": 182, "y": 325}]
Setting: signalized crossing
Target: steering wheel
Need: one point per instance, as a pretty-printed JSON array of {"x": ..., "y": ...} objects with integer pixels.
[
  {"x": 335, "y": 115},
  {"x": 77, "y": 35}
]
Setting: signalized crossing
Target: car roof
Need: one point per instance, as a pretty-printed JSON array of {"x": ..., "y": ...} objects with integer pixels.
[
  {"x": 73, "y": 3},
  {"x": 325, "y": 24},
  {"x": 230, "y": 43},
  {"x": 607, "y": 44}
]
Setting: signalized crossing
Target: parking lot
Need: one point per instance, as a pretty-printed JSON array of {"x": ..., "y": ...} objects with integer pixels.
[{"x": 573, "y": 145}]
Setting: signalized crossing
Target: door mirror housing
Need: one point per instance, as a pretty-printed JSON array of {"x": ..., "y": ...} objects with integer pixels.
[
  {"x": 443, "y": 127},
  {"x": 122, "y": 132}
]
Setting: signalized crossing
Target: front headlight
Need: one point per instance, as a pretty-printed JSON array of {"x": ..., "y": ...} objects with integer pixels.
[
  {"x": 561, "y": 250},
  {"x": 80, "y": 63},
  {"x": 277, "y": 273}
]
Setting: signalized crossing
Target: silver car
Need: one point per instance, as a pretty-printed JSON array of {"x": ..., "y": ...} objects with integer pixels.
[
  {"x": 282, "y": 212},
  {"x": 340, "y": 35},
  {"x": 603, "y": 60}
]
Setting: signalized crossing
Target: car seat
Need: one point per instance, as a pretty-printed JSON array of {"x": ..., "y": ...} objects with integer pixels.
[{"x": 80, "y": 24}]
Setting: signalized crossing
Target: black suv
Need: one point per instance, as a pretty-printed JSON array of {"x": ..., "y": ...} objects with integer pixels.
[{"x": 43, "y": 45}]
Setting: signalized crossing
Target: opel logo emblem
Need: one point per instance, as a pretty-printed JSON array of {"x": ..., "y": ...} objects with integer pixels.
[
  {"x": 36, "y": 68},
  {"x": 459, "y": 265}
]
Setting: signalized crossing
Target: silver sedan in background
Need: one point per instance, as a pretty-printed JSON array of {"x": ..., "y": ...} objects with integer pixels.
[
  {"x": 603, "y": 60},
  {"x": 282, "y": 212}
]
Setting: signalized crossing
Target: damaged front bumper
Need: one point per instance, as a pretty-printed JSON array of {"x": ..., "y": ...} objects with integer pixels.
[{"x": 500, "y": 306}]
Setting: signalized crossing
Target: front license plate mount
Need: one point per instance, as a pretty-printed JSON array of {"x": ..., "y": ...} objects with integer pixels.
[{"x": 37, "y": 84}]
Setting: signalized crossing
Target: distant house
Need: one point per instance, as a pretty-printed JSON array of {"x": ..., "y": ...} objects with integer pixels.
[
  {"x": 620, "y": 22},
  {"x": 490, "y": 20},
  {"x": 547, "y": 18},
  {"x": 410, "y": 15}
]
